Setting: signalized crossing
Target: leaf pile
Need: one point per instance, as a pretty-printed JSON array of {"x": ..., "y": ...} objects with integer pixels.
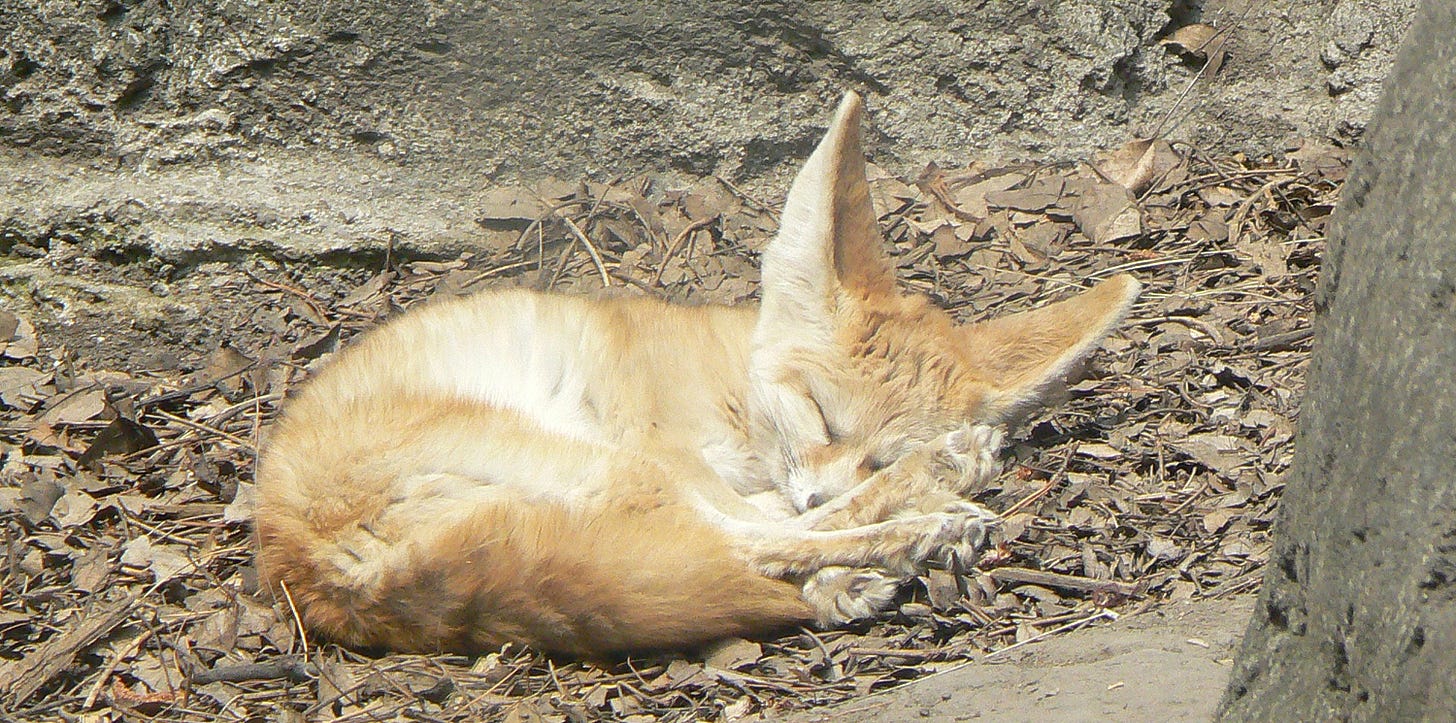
[{"x": 128, "y": 580}]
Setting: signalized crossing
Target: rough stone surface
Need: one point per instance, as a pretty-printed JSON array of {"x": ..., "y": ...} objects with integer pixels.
[
  {"x": 520, "y": 89},
  {"x": 1357, "y": 619},
  {"x": 292, "y": 129}
]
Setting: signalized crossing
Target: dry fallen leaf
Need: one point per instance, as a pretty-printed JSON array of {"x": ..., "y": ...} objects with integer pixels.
[
  {"x": 1192, "y": 38},
  {"x": 90, "y": 572},
  {"x": 76, "y": 408},
  {"x": 1266, "y": 254},
  {"x": 8, "y": 324},
  {"x": 1105, "y": 212},
  {"x": 972, "y": 197},
  {"x": 1037, "y": 196},
  {"x": 225, "y": 365},
  {"x": 163, "y": 561},
  {"x": 75, "y": 508},
  {"x": 732, "y": 654},
  {"x": 120, "y": 436},
  {"x": 20, "y": 387},
  {"x": 1138, "y": 163},
  {"x": 943, "y": 588},
  {"x": 1098, "y": 450},
  {"x": 1215, "y": 520},
  {"x": 1200, "y": 42},
  {"x": 1162, "y": 548},
  {"x": 241, "y": 508},
  {"x": 37, "y": 497},
  {"x": 1208, "y": 227},
  {"x": 20, "y": 341},
  {"x": 1218, "y": 452}
]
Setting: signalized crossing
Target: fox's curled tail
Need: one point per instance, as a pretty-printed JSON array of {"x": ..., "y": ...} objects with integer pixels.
[{"x": 484, "y": 573}]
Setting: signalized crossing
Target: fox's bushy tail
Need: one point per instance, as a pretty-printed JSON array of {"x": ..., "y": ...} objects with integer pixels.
[{"x": 582, "y": 583}]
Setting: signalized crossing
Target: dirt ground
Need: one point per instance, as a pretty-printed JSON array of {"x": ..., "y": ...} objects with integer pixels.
[{"x": 1170, "y": 663}]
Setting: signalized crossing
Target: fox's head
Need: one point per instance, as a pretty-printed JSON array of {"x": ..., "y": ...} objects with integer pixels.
[{"x": 849, "y": 373}]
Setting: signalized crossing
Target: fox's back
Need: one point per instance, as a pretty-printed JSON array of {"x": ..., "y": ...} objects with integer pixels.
[
  {"x": 519, "y": 373},
  {"x": 580, "y": 367}
]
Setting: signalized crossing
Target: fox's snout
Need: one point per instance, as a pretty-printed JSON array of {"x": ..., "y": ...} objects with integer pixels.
[{"x": 811, "y": 485}]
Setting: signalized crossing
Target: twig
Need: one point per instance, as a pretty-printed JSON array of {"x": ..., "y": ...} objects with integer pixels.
[
  {"x": 590, "y": 249},
  {"x": 193, "y": 389},
  {"x": 835, "y": 672},
  {"x": 1051, "y": 484},
  {"x": 1062, "y": 582},
  {"x": 911, "y": 653},
  {"x": 245, "y": 444},
  {"x": 493, "y": 271},
  {"x": 297, "y": 619},
  {"x": 766, "y": 208},
  {"x": 1280, "y": 342},
  {"x": 291, "y": 668},
  {"x": 110, "y": 668},
  {"x": 313, "y": 304},
  {"x": 25, "y": 676},
  {"x": 1108, "y": 614},
  {"x": 1188, "y": 321},
  {"x": 677, "y": 241},
  {"x": 1235, "y": 225}
]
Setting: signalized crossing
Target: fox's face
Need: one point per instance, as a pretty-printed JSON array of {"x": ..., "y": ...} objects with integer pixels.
[
  {"x": 892, "y": 378},
  {"x": 849, "y": 374}
]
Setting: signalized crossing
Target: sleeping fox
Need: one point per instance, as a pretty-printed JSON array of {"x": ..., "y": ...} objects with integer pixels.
[{"x": 593, "y": 477}]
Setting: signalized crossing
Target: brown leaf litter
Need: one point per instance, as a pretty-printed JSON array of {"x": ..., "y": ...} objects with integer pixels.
[{"x": 129, "y": 588}]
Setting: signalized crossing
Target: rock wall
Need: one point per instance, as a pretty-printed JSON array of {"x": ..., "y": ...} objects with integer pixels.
[{"x": 522, "y": 89}]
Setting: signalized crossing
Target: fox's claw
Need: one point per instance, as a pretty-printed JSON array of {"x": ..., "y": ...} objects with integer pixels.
[
  {"x": 964, "y": 528},
  {"x": 962, "y": 555}
]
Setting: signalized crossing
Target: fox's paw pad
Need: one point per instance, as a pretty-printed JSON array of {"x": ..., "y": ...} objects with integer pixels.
[
  {"x": 841, "y": 594},
  {"x": 973, "y": 452}
]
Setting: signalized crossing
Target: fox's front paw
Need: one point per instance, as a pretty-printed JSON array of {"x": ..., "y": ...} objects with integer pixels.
[
  {"x": 962, "y": 531},
  {"x": 972, "y": 452},
  {"x": 841, "y": 594}
]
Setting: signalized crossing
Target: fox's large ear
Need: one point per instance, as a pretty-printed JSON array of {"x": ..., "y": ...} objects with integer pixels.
[
  {"x": 828, "y": 241},
  {"x": 828, "y": 236},
  {"x": 1025, "y": 356}
]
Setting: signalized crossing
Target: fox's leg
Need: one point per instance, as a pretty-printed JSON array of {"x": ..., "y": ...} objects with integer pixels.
[
  {"x": 928, "y": 479},
  {"x": 845, "y": 574},
  {"x": 904, "y": 545}
]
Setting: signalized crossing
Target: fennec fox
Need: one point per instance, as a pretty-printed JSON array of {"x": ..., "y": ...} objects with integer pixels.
[{"x": 592, "y": 477}]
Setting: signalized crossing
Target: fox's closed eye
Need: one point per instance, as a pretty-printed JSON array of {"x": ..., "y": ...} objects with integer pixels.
[
  {"x": 872, "y": 464},
  {"x": 831, "y": 433}
]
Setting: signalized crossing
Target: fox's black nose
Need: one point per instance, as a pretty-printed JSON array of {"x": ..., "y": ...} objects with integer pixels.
[{"x": 815, "y": 499}]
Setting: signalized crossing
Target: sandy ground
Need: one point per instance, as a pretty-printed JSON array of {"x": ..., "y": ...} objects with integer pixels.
[{"x": 1166, "y": 664}]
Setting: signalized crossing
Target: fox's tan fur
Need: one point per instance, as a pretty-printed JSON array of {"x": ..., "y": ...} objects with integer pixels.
[{"x": 598, "y": 476}]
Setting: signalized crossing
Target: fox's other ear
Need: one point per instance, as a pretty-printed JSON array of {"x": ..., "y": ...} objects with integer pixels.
[
  {"x": 828, "y": 235},
  {"x": 1024, "y": 357}
]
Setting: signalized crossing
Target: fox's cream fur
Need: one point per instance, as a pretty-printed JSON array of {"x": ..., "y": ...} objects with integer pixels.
[{"x": 599, "y": 476}]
